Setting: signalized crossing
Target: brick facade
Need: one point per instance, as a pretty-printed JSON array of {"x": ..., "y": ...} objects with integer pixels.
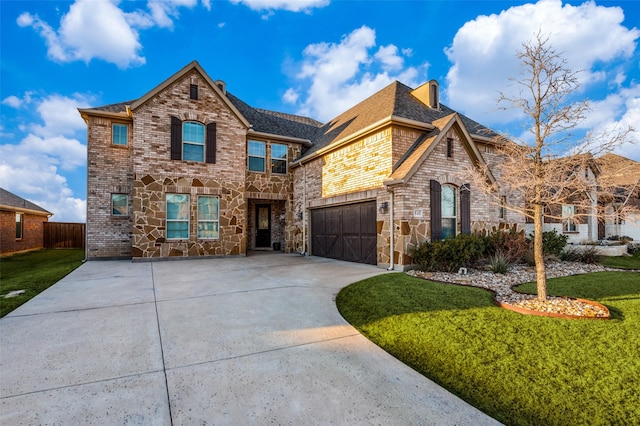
[
  {"x": 32, "y": 232},
  {"x": 354, "y": 170}
]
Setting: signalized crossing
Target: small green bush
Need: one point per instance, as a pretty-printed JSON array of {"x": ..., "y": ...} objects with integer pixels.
[
  {"x": 499, "y": 263},
  {"x": 451, "y": 254},
  {"x": 590, "y": 255},
  {"x": 552, "y": 243}
]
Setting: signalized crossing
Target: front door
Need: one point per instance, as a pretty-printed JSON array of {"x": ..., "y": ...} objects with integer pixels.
[{"x": 263, "y": 225}]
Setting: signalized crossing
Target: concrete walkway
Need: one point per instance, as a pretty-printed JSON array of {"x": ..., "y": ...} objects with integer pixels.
[{"x": 254, "y": 340}]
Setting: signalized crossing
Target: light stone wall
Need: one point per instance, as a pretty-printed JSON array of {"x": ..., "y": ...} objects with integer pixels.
[{"x": 360, "y": 165}]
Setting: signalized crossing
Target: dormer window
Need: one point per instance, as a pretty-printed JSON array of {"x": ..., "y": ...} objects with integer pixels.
[{"x": 193, "y": 92}]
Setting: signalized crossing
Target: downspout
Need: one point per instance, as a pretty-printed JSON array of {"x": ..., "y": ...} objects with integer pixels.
[
  {"x": 391, "y": 229},
  {"x": 304, "y": 211}
]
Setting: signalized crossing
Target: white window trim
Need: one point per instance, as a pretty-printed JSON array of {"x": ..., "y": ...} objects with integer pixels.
[
  {"x": 285, "y": 159},
  {"x": 176, "y": 220},
  {"x": 21, "y": 215},
  {"x": 264, "y": 158},
  {"x": 567, "y": 221},
  {"x": 126, "y": 126},
  {"x": 203, "y": 144},
  {"x": 455, "y": 208},
  {"x": 207, "y": 221}
]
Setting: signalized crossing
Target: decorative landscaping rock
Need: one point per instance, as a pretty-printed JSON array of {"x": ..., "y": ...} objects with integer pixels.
[{"x": 501, "y": 285}]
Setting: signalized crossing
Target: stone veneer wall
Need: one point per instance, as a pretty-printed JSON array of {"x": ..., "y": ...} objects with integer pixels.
[
  {"x": 150, "y": 217},
  {"x": 109, "y": 171},
  {"x": 155, "y": 174}
]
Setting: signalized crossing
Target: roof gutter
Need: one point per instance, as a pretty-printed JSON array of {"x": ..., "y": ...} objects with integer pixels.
[
  {"x": 86, "y": 112},
  {"x": 7, "y": 207},
  {"x": 265, "y": 135},
  {"x": 392, "y": 119}
]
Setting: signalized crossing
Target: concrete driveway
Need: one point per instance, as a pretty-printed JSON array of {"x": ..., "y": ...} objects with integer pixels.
[{"x": 254, "y": 340}]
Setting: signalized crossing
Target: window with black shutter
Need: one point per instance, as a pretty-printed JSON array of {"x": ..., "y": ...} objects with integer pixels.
[
  {"x": 210, "y": 147},
  {"x": 436, "y": 210},
  {"x": 465, "y": 209},
  {"x": 176, "y": 138}
]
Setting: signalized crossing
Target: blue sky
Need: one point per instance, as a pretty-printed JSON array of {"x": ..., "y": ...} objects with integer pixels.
[{"x": 311, "y": 57}]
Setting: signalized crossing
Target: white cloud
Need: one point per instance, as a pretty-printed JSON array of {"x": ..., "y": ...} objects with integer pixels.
[
  {"x": 34, "y": 176},
  {"x": 99, "y": 29},
  {"x": 36, "y": 166},
  {"x": 12, "y": 101},
  {"x": 339, "y": 75},
  {"x": 483, "y": 51},
  {"x": 60, "y": 116},
  {"x": 290, "y": 5},
  {"x": 290, "y": 96}
]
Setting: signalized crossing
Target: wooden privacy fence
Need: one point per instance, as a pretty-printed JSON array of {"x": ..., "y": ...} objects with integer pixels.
[{"x": 64, "y": 235}]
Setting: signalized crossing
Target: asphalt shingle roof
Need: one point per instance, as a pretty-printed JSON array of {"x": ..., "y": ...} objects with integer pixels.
[{"x": 12, "y": 200}]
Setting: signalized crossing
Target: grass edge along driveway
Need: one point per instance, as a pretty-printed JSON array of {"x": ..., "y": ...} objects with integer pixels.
[
  {"x": 521, "y": 370},
  {"x": 34, "y": 272}
]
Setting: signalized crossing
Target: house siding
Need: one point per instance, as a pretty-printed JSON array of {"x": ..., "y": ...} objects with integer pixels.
[
  {"x": 155, "y": 174},
  {"x": 32, "y": 232},
  {"x": 109, "y": 171}
]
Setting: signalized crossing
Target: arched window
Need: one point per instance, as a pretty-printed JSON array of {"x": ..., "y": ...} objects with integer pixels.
[
  {"x": 449, "y": 216},
  {"x": 192, "y": 141}
]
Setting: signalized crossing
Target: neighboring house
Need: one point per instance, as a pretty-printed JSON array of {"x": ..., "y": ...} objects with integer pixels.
[
  {"x": 577, "y": 216},
  {"x": 624, "y": 174},
  {"x": 190, "y": 170},
  {"x": 21, "y": 224}
]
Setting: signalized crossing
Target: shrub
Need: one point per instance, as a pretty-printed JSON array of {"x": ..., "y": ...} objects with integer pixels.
[
  {"x": 553, "y": 243},
  {"x": 588, "y": 254},
  {"x": 512, "y": 244},
  {"x": 451, "y": 254},
  {"x": 499, "y": 263}
]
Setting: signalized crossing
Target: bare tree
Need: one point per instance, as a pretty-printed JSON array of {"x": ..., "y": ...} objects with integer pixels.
[{"x": 554, "y": 176}]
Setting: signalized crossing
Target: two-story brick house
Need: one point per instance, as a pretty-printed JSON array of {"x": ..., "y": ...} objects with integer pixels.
[{"x": 190, "y": 170}]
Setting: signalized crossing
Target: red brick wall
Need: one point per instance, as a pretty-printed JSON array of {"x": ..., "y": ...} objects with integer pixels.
[{"x": 32, "y": 232}]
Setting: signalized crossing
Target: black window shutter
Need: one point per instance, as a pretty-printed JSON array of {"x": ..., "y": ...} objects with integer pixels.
[
  {"x": 210, "y": 147},
  {"x": 176, "y": 138},
  {"x": 465, "y": 208},
  {"x": 436, "y": 210}
]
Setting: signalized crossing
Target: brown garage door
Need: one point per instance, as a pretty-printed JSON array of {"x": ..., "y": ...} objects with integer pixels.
[{"x": 345, "y": 232}]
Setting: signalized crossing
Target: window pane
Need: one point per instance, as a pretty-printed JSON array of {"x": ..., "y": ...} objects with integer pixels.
[
  {"x": 279, "y": 166},
  {"x": 177, "y": 207},
  {"x": 448, "y": 227},
  {"x": 193, "y": 132},
  {"x": 192, "y": 152},
  {"x": 208, "y": 208},
  {"x": 256, "y": 164},
  {"x": 19, "y": 225},
  {"x": 177, "y": 229},
  {"x": 279, "y": 151},
  {"x": 257, "y": 149},
  {"x": 448, "y": 201},
  {"x": 119, "y": 204},
  {"x": 119, "y": 134},
  {"x": 208, "y": 230}
]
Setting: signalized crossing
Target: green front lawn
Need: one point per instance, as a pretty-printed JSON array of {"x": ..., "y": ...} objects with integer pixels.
[
  {"x": 518, "y": 369},
  {"x": 34, "y": 272},
  {"x": 622, "y": 262}
]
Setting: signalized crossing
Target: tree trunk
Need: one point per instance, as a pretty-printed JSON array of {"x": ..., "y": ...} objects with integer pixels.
[{"x": 538, "y": 255}]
